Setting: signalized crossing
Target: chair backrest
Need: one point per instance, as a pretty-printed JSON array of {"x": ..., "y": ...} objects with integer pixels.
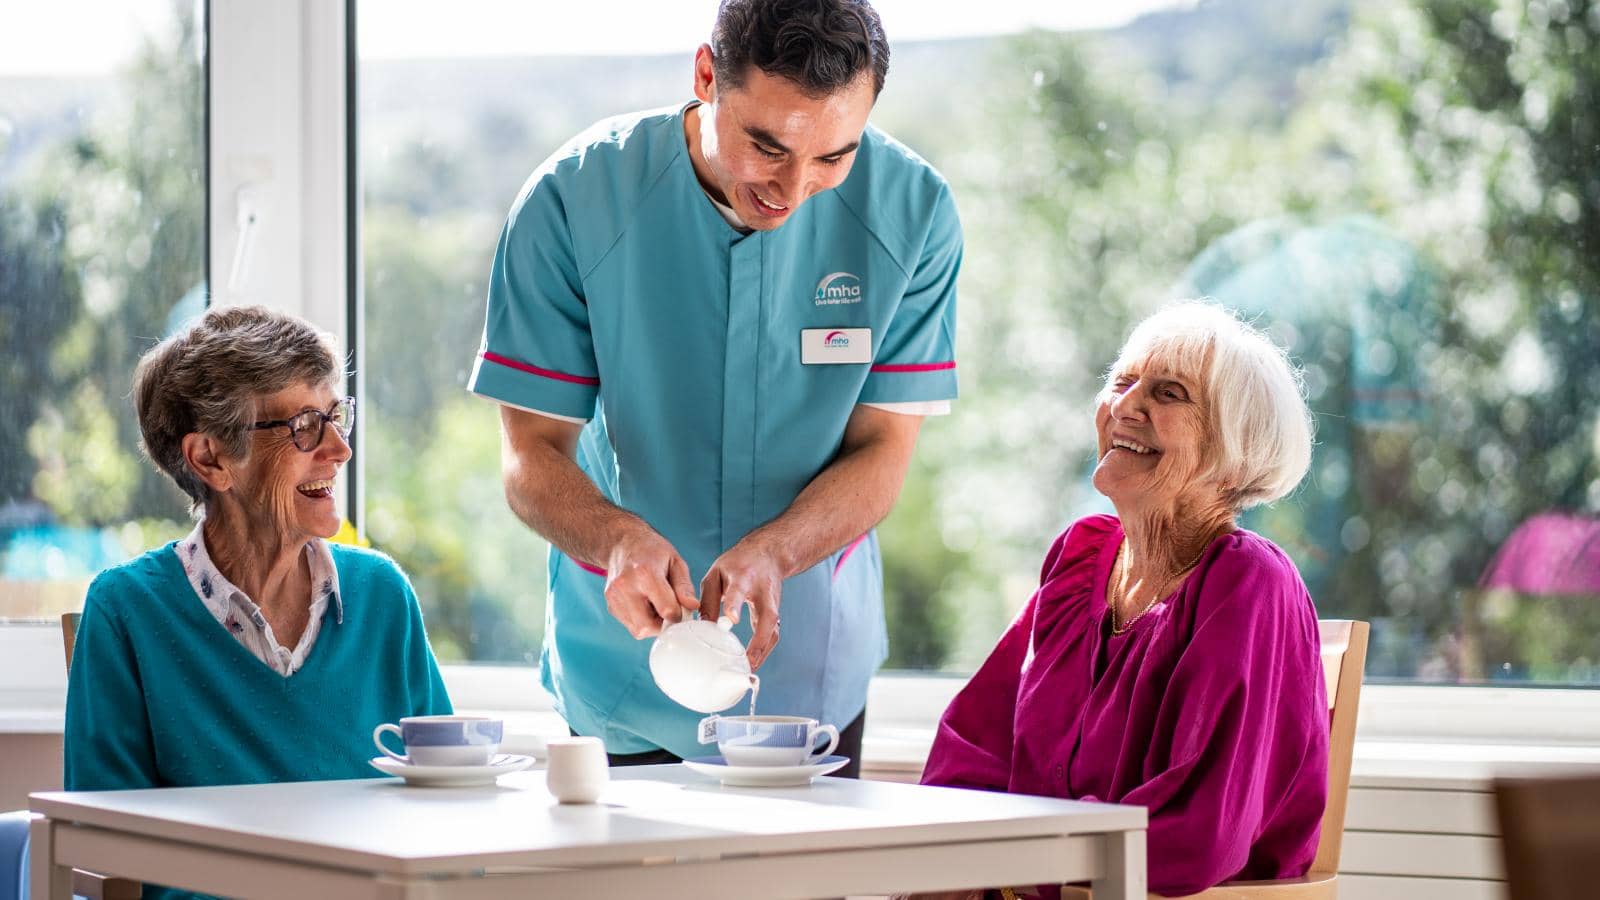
[
  {"x": 1344, "y": 660},
  {"x": 1550, "y": 836},
  {"x": 69, "y": 635},
  {"x": 88, "y": 884}
]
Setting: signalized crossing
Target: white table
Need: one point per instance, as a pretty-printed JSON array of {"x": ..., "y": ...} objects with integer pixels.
[{"x": 661, "y": 832}]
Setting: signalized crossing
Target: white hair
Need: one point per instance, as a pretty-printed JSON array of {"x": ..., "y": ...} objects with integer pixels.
[{"x": 1258, "y": 413}]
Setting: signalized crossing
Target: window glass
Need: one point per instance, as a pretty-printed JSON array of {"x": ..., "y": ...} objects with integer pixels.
[
  {"x": 102, "y": 252},
  {"x": 1400, "y": 193}
]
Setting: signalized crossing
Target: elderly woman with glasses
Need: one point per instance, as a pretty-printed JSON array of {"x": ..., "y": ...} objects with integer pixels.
[
  {"x": 1170, "y": 659},
  {"x": 252, "y": 650}
]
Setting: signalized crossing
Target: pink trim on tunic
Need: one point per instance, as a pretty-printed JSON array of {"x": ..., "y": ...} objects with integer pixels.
[
  {"x": 531, "y": 369},
  {"x": 849, "y": 549},
  {"x": 914, "y": 367}
]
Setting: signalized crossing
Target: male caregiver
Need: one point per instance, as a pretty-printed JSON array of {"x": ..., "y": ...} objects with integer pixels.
[{"x": 713, "y": 331}]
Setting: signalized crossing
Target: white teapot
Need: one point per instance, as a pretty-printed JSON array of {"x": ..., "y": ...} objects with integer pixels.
[{"x": 701, "y": 664}]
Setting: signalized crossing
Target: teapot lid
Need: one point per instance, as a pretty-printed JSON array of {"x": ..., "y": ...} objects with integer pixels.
[{"x": 716, "y": 635}]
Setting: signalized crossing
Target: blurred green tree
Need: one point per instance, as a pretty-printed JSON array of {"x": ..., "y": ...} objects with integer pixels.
[
  {"x": 32, "y": 281},
  {"x": 436, "y": 505},
  {"x": 1474, "y": 127},
  {"x": 434, "y": 497},
  {"x": 125, "y": 203}
]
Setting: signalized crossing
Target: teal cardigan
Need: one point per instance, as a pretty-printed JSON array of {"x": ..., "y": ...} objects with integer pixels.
[{"x": 161, "y": 695}]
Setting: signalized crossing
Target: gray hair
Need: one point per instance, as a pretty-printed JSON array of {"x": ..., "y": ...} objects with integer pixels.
[
  {"x": 1258, "y": 415},
  {"x": 210, "y": 379}
]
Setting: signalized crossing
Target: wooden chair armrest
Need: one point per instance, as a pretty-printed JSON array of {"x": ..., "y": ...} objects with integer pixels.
[{"x": 94, "y": 886}]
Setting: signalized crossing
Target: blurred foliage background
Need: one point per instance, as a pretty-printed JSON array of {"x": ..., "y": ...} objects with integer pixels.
[{"x": 1406, "y": 194}]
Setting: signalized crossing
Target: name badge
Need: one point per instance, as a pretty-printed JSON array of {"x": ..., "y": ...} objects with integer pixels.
[{"x": 832, "y": 346}]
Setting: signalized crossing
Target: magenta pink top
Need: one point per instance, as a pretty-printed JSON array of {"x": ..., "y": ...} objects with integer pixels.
[{"x": 1210, "y": 710}]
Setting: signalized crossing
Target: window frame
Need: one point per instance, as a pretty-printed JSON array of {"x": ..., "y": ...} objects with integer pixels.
[{"x": 282, "y": 154}]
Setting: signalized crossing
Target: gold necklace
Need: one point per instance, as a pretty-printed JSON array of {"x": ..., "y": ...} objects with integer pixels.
[{"x": 1114, "y": 590}]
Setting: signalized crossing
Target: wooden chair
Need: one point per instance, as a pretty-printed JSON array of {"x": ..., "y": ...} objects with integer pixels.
[
  {"x": 89, "y": 884},
  {"x": 1550, "y": 836},
  {"x": 1344, "y": 660},
  {"x": 69, "y": 635}
]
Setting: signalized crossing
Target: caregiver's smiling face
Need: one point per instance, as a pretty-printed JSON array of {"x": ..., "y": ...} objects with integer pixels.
[
  {"x": 1152, "y": 436},
  {"x": 766, "y": 146}
]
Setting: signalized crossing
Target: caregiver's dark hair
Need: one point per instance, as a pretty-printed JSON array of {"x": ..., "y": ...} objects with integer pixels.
[{"x": 820, "y": 45}]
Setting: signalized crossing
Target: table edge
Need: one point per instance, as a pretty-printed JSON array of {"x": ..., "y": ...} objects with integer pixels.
[{"x": 78, "y": 808}]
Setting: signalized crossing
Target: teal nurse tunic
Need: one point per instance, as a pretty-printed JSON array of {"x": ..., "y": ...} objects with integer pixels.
[{"x": 716, "y": 371}]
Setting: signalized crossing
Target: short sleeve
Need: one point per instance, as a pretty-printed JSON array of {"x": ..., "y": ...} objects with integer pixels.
[
  {"x": 916, "y": 360},
  {"x": 915, "y": 407},
  {"x": 537, "y": 352}
]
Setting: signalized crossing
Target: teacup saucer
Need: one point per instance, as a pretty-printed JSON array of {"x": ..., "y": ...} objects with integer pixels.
[
  {"x": 452, "y": 776},
  {"x": 765, "y": 776}
]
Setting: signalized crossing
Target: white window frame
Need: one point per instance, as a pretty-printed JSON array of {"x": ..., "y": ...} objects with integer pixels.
[
  {"x": 278, "y": 152},
  {"x": 283, "y": 214},
  {"x": 279, "y": 144}
]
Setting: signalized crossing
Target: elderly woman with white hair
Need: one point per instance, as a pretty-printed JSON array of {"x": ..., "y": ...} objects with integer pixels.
[
  {"x": 1169, "y": 658},
  {"x": 252, "y": 650}
]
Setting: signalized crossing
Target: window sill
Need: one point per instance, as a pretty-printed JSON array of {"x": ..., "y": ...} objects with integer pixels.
[
  {"x": 42, "y": 720},
  {"x": 1395, "y": 765},
  {"x": 1446, "y": 766}
]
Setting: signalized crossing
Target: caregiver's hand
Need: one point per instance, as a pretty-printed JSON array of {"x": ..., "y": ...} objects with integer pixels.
[
  {"x": 747, "y": 575},
  {"x": 647, "y": 582}
]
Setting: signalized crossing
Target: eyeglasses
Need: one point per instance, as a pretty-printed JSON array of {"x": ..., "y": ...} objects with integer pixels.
[{"x": 305, "y": 429}]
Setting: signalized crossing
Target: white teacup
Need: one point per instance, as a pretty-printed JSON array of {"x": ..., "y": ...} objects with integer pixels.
[
  {"x": 443, "y": 740},
  {"x": 767, "y": 740},
  {"x": 576, "y": 770}
]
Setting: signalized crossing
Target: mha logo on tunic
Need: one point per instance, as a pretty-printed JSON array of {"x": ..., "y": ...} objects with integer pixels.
[
  {"x": 838, "y": 289},
  {"x": 835, "y": 346}
]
